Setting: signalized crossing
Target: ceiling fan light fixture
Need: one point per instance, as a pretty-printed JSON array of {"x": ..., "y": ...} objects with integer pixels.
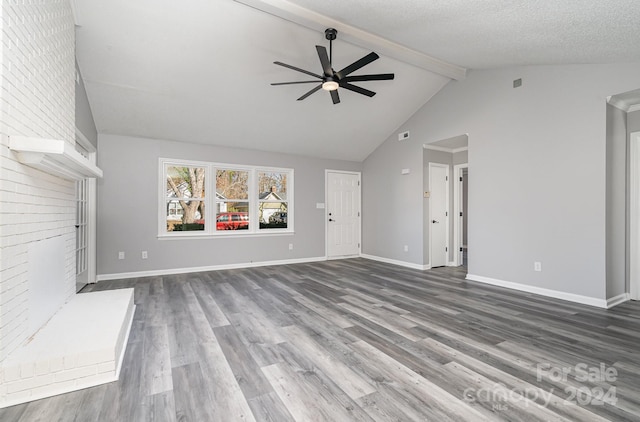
[{"x": 330, "y": 85}]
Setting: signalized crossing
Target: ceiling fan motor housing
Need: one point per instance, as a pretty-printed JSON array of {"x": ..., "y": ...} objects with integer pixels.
[{"x": 330, "y": 34}]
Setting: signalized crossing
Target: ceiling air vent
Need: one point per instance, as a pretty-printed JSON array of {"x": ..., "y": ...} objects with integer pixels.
[{"x": 403, "y": 136}]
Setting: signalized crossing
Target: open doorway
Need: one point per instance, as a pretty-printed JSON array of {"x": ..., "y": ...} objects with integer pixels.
[
  {"x": 453, "y": 154},
  {"x": 460, "y": 212}
]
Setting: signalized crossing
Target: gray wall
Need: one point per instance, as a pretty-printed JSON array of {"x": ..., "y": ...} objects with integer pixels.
[
  {"x": 84, "y": 117},
  {"x": 128, "y": 208},
  {"x": 538, "y": 155},
  {"x": 616, "y": 200}
]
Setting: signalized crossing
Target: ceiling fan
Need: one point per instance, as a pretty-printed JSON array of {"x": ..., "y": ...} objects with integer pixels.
[{"x": 330, "y": 80}]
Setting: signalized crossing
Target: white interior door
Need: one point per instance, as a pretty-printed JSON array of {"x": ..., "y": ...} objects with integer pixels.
[
  {"x": 343, "y": 214},
  {"x": 438, "y": 213}
]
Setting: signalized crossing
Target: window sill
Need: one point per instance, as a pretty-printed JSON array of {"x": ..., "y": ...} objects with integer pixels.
[{"x": 222, "y": 235}]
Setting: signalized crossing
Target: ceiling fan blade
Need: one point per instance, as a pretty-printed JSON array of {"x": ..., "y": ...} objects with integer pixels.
[
  {"x": 334, "y": 96},
  {"x": 293, "y": 83},
  {"x": 354, "y": 88},
  {"x": 297, "y": 69},
  {"x": 324, "y": 60},
  {"x": 310, "y": 92},
  {"x": 377, "y": 77},
  {"x": 357, "y": 64}
]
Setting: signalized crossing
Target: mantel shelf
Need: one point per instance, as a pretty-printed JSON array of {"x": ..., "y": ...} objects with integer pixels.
[{"x": 54, "y": 157}]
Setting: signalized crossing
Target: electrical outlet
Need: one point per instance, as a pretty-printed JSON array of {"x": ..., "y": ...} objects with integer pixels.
[
  {"x": 290, "y": 246},
  {"x": 406, "y": 248},
  {"x": 145, "y": 255},
  {"x": 120, "y": 255},
  {"x": 537, "y": 266}
]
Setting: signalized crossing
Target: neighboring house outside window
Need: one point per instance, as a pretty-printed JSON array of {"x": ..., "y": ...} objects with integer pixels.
[{"x": 247, "y": 199}]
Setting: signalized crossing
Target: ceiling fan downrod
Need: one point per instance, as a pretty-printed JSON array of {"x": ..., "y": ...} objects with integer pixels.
[{"x": 331, "y": 34}]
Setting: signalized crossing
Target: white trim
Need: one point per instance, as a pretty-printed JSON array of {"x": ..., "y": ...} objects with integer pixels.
[
  {"x": 396, "y": 262},
  {"x": 458, "y": 170},
  {"x": 634, "y": 215},
  {"x": 627, "y": 102},
  {"x": 326, "y": 210},
  {"x": 571, "y": 297},
  {"x": 445, "y": 149},
  {"x": 171, "y": 271},
  {"x": 317, "y": 22},
  {"x": 447, "y": 211},
  {"x": 617, "y": 300}
]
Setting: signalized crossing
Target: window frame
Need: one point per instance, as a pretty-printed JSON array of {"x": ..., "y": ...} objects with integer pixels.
[{"x": 210, "y": 200}]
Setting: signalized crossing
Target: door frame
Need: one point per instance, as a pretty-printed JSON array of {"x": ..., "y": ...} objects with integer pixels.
[
  {"x": 458, "y": 205},
  {"x": 447, "y": 168},
  {"x": 326, "y": 208},
  {"x": 92, "y": 209},
  {"x": 634, "y": 215}
]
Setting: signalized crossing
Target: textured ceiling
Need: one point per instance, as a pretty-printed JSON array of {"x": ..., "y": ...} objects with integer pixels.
[
  {"x": 199, "y": 70},
  {"x": 480, "y": 34}
]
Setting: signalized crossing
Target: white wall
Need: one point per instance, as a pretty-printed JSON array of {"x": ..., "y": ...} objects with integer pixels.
[
  {"x": 37, "y": 77},
  {"x": 538, "y": 156},
  {"x": 84, "y": 116},
  {"x": 128, "y": 208}
]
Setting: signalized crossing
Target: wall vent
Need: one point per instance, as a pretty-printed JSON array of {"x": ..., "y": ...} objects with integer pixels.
[{"x": 403, "y": 136}]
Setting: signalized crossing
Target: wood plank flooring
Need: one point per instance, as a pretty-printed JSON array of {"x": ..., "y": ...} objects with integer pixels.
[{"x": 358, "y": 340}]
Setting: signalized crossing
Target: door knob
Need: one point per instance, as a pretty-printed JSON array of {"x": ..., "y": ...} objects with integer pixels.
[
  {"x": 434, "y": 221},
  {"x": 331, "y": 219}
]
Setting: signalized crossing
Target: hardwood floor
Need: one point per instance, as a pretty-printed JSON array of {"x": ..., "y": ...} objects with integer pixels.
[{"x": 358, "y": 340}]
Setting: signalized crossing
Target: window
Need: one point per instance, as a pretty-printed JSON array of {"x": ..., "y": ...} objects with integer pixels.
[
  {"x": 272, "y": 200},
  {"x": 247, "y": 199}
]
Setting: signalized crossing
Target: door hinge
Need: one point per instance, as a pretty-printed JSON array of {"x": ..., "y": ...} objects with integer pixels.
[
  {"x": 446, "y": 178},
  {"x": 358, "y": 213},
  {"x": 461, "y": 178},
  {"x": 446, "y": 249},
  {"x": 460, "y": 248},
  {"x": 460, "y": 213},
  {"x": 358, "y": 183},
  {"x": 446, "y": 213},
  {"x": 359, "y": 246}
]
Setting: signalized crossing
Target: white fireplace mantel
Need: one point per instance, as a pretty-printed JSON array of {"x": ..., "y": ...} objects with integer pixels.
[{"x": 53, "y": 156}]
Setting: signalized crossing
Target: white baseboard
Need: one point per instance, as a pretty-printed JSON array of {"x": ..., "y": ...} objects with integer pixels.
[
  {"x": 571, "y": 297},
  {"x": 617, "y": 300},
  {"x": 396, "y": 262},
  {"x": 170, "y": 271}
]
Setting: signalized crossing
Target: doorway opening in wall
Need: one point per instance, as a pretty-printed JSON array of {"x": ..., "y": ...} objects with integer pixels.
[
  {"x": 460, "y": 213},
  {"x": 452, "y": 152}
]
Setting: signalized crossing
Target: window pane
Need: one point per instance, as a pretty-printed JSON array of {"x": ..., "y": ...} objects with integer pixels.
[
  {"x": 232, "y": 216},
  {"x": 232, "y": 184},
  {"x": 273, "y": 215},
  {"x": 185, "y": 182},
  {"x": 185, "y": 215},
  {"x": 272, "y": 186}
]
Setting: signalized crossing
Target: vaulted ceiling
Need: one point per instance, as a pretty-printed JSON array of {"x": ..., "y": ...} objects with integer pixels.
[{"x": 200, "y": 70}]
